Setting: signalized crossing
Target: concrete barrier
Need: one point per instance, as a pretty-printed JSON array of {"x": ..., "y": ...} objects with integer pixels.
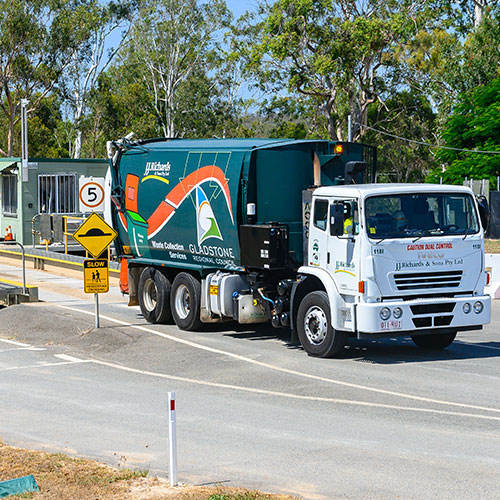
[{"x": 492, "y": 261}]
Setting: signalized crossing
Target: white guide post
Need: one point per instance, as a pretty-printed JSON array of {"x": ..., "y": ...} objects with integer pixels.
[{"x": 172, "y": 440}]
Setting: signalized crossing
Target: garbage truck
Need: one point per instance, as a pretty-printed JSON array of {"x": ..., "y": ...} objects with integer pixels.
[{"x": 295, "y": 233}]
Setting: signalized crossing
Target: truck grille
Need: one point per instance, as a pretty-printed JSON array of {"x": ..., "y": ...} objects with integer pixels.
[
  {"x": 440, "y": 307},
  {"x": 427, "y": 321},
  {"x": 420, "y": 281}
]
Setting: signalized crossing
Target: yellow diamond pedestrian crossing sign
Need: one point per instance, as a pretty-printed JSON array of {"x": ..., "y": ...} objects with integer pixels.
[{"x": 95, "y": 234}]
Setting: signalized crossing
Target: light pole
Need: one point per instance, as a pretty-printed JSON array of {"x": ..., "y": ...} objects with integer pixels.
[{"x": 24, "y": 139}]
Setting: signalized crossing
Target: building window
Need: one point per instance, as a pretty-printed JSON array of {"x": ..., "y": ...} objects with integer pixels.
[
  {"x": 9, "y": 194},
  {"x": 57, "y": 193}
]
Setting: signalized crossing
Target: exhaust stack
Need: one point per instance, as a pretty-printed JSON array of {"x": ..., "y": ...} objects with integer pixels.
[{"x": 317, "y": 170}]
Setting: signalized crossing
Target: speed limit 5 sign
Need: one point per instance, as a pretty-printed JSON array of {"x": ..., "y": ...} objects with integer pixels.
[{"x": 91, "y": 194}]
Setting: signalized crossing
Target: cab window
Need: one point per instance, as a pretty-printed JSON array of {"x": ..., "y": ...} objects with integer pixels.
[
  {"x": 320, "y": 216},
  {"x": 351, "y": 217}
]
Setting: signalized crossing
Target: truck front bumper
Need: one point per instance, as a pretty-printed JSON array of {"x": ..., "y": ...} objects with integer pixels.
[{"x": 422, "y": 315}]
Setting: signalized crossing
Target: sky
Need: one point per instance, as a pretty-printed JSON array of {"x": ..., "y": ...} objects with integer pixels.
[{"x": 239, "y": 7}]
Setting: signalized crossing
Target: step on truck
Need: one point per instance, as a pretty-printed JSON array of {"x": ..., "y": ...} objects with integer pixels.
[{"x": 296, "y": 233}]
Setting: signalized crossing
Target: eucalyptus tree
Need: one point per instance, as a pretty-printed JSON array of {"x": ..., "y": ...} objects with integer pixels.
[
  {"x": 339, "y": 53},
  {"x": 37, "y": 40},
  {"x": 454, "y": 51},
  {"x": 98, "y": 22},
  {"x": 472, "y": 138},
  {"x": 172, "y": 41}
]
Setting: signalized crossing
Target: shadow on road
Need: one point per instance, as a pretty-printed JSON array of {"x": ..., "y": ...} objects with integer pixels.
[
  {"x": 402, "y": 350},
  {"x": 376, "y": 351}
]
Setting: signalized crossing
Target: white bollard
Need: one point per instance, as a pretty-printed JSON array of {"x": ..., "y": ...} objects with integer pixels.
[{"x": 172, "y": 440}]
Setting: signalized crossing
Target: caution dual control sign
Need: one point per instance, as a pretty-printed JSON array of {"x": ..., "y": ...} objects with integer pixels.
[{"x": 95, "y": 276}]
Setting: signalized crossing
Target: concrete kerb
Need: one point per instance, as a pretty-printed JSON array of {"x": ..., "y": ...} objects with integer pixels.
[{"x": 492, "y": 262}]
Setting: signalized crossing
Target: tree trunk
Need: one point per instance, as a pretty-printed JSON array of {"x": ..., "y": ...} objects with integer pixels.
[
  {"x": 479, "y": 6},
  {"x": 12, "y": 118},
  {"x": 331, "y": 123},
  {"x": 77, "y": 120},
  {"x": 10, "y": 137},
  {"x": 77, "y": 144}
]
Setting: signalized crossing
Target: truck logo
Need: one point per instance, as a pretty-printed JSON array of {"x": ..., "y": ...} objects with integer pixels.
[
  {"x": 315, "y": 253},
  {"x": 179, "y": 193},
  {"x": 206, "y": 224},
  {"x": 156, "y": 168}
]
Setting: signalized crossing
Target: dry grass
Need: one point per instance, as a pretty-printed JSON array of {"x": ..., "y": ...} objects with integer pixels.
[
  {"x": 492, "y": 246},
  {"x": 61, "y": 477}
]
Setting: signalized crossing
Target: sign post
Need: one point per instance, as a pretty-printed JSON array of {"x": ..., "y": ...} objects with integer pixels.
[
  {"x": 95, "y": 235},
  {"x": 96, "y": 310},
  {"x": 24, "y": 140}
]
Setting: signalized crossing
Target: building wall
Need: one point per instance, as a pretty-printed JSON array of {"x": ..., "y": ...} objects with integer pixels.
[
  {"x": 8, "y": 220},
  {"x": 28, "y": 191}
]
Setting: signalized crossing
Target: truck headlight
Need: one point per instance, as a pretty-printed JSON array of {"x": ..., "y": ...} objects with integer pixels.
[
  {"x": 478, "y": 307},
  {"x": 397, "y": 313},
  {"x": 466, "y": 308},
  {"x": 385, "y": 313}
]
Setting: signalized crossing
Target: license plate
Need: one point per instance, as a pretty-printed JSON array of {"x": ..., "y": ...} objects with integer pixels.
[{"x": 393, "y": 324}]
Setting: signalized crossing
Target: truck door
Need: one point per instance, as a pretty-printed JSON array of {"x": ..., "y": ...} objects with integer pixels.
[
  {"x": 318, "y": 234},
  {"x": 344, "y": 249}
]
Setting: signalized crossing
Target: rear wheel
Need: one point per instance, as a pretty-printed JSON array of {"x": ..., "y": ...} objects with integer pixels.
[
  {"x": 154, "y": 296},
  {"x": 435, "y": 340},
  {"x": 185, "y": 302},
  {"x": 314, "y": 327}
]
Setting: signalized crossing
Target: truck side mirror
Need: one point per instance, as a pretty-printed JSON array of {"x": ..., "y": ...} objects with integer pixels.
[
  {"x": 337, "y": 219},
  {"x": 484, "y": 211}
]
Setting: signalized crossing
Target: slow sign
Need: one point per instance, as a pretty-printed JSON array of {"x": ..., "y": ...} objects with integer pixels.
[{"x": 95, "y": 276}]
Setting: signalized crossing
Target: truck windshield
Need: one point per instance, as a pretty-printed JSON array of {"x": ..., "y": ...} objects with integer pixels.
[{"x": 415, "y": 215}]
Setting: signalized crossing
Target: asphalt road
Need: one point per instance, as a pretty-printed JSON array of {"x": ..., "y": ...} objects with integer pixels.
[{"x": 387, "y": 420}]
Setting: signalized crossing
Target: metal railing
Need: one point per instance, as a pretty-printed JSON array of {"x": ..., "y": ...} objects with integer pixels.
[
  {"x": 71, "y": 222},
  {"x": 66, "y": 232},
  {"x": 24, "y": 262}
]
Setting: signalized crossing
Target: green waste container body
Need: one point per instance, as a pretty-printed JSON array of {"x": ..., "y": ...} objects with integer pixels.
[{"x": 180, "y": 202}]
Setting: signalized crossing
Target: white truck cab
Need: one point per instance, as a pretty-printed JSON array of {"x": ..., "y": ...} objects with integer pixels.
[{"x": 391, "y": 260}]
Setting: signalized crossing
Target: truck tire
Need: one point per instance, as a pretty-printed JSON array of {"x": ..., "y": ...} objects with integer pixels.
[
  {"x": 314, "y": 327},
  {"x": 434, "y": 341},
  {"x": 154, "y": 296},
  {"x": 185, "y": 302}
]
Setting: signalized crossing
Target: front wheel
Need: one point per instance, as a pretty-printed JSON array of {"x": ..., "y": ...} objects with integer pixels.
[
  {"x": 185, "y": 302},
  {"x": 314, "y": 327},
  {"x": 435, "y": 340}
]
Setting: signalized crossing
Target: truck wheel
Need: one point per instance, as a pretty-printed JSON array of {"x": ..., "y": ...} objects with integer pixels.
[
  {"x": 154, "y": 296},
  {"x": 434, "y": 341},
  {"x": 314, "y": 327},
  {"x": 185, "y": 302}
]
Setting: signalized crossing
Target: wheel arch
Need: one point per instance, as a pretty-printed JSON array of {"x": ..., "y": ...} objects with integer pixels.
[
  {"x": 310, "y": 280},
  {"x": 135, "y": 270}
]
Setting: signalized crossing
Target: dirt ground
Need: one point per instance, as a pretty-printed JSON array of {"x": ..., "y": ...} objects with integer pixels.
[
  {"x": 61, "y": 477},
  {"x": 492, "y": 246}
]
